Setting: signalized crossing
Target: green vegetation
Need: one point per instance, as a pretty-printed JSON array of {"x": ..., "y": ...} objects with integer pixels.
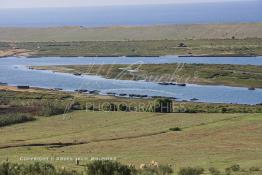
[
  {"x": 100, "y": 167},
  {"x": 214, "y": 171},
  {"x": 37, "y": 168},
  {"x": 163, "y": 105},
  {"x": 108, "y": 168},
  {"x": 37, "y": 104},
  {"x": 129, "y": 137},
  {"x": 191, "y": 171},
  {"x": 47, "y": 103},
  {"x": 213, "y": 47},
  {"x": 230, "y": 75},
  {"x": 175, "y": 129},
  {"x": 6, "y": 120}
]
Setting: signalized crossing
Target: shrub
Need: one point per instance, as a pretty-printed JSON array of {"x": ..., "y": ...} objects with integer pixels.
[
  {"x": 76, "y": 106},
  {"x": 175, "y": 129},
  {"x": 49, "y": 109},
  {"x": 214, "y": 171},
  {"x": 163, "y": 105},
  {"x": 190, "y": 171},
  {"x": 165, "y": 170},
  {"x": 235, "y": 168},
  {"x": 123, "y": 108},
  {"x": 37, "y": 168},
  {"x": 254, "y": 168},
  {"x": 224, "y": 110},
  {"x": 227, "y": 171},
  {"x": 40, "y": 168},
  {"x": 108, "y": 168},
  {"x": 109, "y": 107},
  {"x": 153, "y": 170},
  {"x": 6, "y": 120}
]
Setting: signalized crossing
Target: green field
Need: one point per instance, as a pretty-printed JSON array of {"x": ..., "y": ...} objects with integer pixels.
[
  {"x": 206, "y": 140},
  {"x": 212, "y": 47},
  {"x": 230, "y": 75}
]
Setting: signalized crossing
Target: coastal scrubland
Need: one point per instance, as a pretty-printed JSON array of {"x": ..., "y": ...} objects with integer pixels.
[
  {"x": 215, "y": 74},
  {"x": 204, "y": 39}
]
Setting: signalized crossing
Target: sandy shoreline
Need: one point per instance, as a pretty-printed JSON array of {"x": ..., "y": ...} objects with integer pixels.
[{"x": 15, "y": 52}]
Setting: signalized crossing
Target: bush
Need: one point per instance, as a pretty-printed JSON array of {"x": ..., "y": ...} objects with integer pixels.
[
  {"x": 235, "y": 168},
  {"x": 227, "y": 171},
  {"x": 123, "y": 108},
  {"x": 76, "y": 106},
  {"x": 6, "y": 120},
  {"x": 214, "y": 171},
  {"x": 109, "y": 107},
  {"x": 190, "y": 171},
  {"x": 153, "y": 170},
  {"x": 163, "y": 105},
  {"x": 164, "y": 170},
  {"x": 175, "y": 129},
  {"x": 37, "y": 168},
  {"x": 108, "y": 168},
  {"x": 254, "y": 169},
  {"x": 49, "y": 109}
]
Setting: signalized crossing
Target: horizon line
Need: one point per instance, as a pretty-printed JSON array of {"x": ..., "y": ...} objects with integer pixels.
[{"x": 124, "y": 5}]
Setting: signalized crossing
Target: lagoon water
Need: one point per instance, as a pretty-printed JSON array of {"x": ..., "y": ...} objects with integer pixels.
[
  {"x": 226, "y": 12},
  {"x": 14, "y": 72}
]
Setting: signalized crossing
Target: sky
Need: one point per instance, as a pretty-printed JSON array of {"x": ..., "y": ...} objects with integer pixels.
[{"x": 82, "y": 3}]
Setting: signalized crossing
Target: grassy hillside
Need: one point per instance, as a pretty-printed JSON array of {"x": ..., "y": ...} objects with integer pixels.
[
  {"x": 123, "y": 33},
  {"x": 218, "y": 140}
]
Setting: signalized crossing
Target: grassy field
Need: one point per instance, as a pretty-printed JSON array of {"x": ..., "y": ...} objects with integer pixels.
[
  {"x": 230, "y": 75},
  {"x": 218, "y": 140},
  {"x": 211, "y": 47},
  {"x": 205, "y": 39},
  {"x": 124, "y": 33}
]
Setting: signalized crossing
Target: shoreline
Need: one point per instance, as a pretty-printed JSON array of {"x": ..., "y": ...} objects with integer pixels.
[
  {"x": 73, "y": 69},
  {"x": 128, "y": 56},
  {"x": 100, "y": 96}
]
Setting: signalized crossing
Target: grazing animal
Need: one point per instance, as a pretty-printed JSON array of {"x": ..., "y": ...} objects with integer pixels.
[
  {"x": 131, "y": 166},
  {"x": 142, "y": 166},
  {"x": 77, "y": 162},
  {"x": 154, "y": 163}
]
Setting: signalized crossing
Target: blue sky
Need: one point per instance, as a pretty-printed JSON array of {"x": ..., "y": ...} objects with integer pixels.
[{"x": 74, "y": 3}]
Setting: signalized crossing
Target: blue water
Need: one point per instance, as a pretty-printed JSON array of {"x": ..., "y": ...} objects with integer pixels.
[
  {"x": 14, "y": 72},
  {"x": 226, "y": 12}
]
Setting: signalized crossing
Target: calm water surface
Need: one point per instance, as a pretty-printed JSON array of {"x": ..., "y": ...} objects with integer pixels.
[{"x": 14, "y": 72}]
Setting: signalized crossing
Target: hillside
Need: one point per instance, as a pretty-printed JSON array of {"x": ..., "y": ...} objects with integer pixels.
[
  {"x": 139, "y": 138},
  {"x": 120, "y": 33}
]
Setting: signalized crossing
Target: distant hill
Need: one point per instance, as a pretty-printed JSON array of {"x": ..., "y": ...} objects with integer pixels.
[{"x": 120, "y": 33}]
